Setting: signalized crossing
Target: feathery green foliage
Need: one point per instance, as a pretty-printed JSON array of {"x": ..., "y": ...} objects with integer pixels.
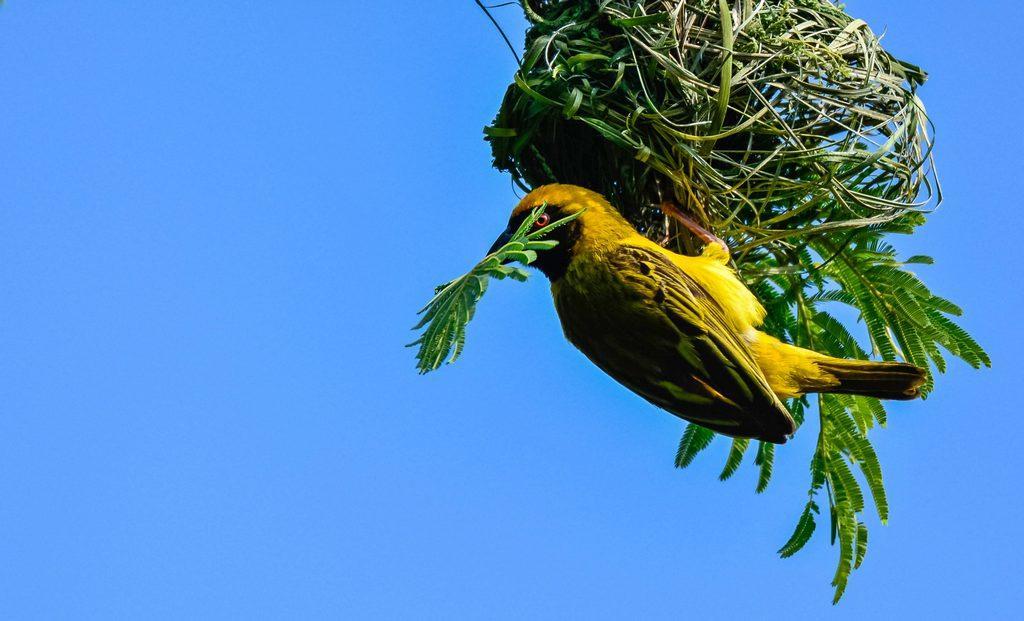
[
  {"x": 784, "y": 127},
  {"x": 446, "y": 316}
]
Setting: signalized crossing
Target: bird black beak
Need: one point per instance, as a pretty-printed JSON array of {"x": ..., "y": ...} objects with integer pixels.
[{"x": 503, "y": 239}]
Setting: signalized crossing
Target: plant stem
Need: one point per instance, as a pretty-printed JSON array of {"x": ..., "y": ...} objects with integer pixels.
[{"x": 725, "y": 82}]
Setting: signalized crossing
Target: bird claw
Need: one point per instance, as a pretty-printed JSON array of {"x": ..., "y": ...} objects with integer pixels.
[{"x": 670, "y": 209}]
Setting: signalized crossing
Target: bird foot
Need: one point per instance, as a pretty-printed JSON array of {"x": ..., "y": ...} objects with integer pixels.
[{"x": 672, "y": 210}]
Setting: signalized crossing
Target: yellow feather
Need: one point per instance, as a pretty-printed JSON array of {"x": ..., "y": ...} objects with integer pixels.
[
  {"x": 603, "y": 228},
  {"x": 603, "y": 302}
]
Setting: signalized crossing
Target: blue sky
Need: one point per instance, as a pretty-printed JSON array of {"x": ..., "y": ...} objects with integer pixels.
[{"x": 216, "y": 223}]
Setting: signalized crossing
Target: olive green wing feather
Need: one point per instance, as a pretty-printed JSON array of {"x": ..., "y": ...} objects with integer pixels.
[{"x": 702, "y": 370}]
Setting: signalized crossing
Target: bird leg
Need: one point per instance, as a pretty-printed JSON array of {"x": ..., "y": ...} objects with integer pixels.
[
  {"x": 667, "y": 237},
  {"x": 671, "y": 209}
]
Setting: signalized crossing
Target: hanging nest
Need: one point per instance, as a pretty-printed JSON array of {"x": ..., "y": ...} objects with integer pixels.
[{"x": 769, "y": 122}]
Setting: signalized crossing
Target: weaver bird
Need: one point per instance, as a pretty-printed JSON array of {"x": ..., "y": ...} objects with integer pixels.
[{"x": 682, "y": 331}]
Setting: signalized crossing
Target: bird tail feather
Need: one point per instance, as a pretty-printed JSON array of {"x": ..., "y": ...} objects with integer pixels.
[{"x": 883, "y": 380}]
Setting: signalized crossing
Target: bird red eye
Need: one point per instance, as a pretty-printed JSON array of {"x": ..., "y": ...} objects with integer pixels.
[{"x": 542, "y": 220}]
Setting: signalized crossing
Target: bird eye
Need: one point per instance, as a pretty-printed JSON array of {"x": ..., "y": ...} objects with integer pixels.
[{"x": 542, "y": 220}]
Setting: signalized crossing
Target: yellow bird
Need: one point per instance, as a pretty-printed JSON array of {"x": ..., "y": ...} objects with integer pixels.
[{"x": 681, "y": 331}]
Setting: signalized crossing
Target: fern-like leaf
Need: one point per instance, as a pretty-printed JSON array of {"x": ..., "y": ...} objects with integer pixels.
[
  {"x": 732, "y": 462},
  {"x": 695, "y": 439},
  {"x": 802, "y": 534},
  {"x": 445, "y": 317}
]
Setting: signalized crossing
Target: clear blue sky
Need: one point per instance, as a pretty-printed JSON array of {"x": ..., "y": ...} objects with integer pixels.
[{"x": 216, "y": 223}]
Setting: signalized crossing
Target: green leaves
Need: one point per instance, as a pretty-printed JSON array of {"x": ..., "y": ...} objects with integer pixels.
[
  {"x": 732, "y": 463},
  {"x": 804, "y": 159},
  {"x": 802, "y": 291},
  {"x": 765, "y": 460},
  {"x": 695, "y": 439},
  {"x": 903, "y": 320},
  {"x": 802, "y": 534},
  {"x": 446, "y": 316}
]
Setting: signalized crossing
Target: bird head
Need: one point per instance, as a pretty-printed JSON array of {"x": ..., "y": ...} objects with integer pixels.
[{"x": 598, "y": 223}]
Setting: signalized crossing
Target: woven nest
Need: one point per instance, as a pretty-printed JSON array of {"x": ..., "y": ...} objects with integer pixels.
[{"x": 769, "y": 122}]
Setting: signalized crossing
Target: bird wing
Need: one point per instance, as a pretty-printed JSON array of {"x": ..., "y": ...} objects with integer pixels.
[{"x": 702, "y": 370}]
